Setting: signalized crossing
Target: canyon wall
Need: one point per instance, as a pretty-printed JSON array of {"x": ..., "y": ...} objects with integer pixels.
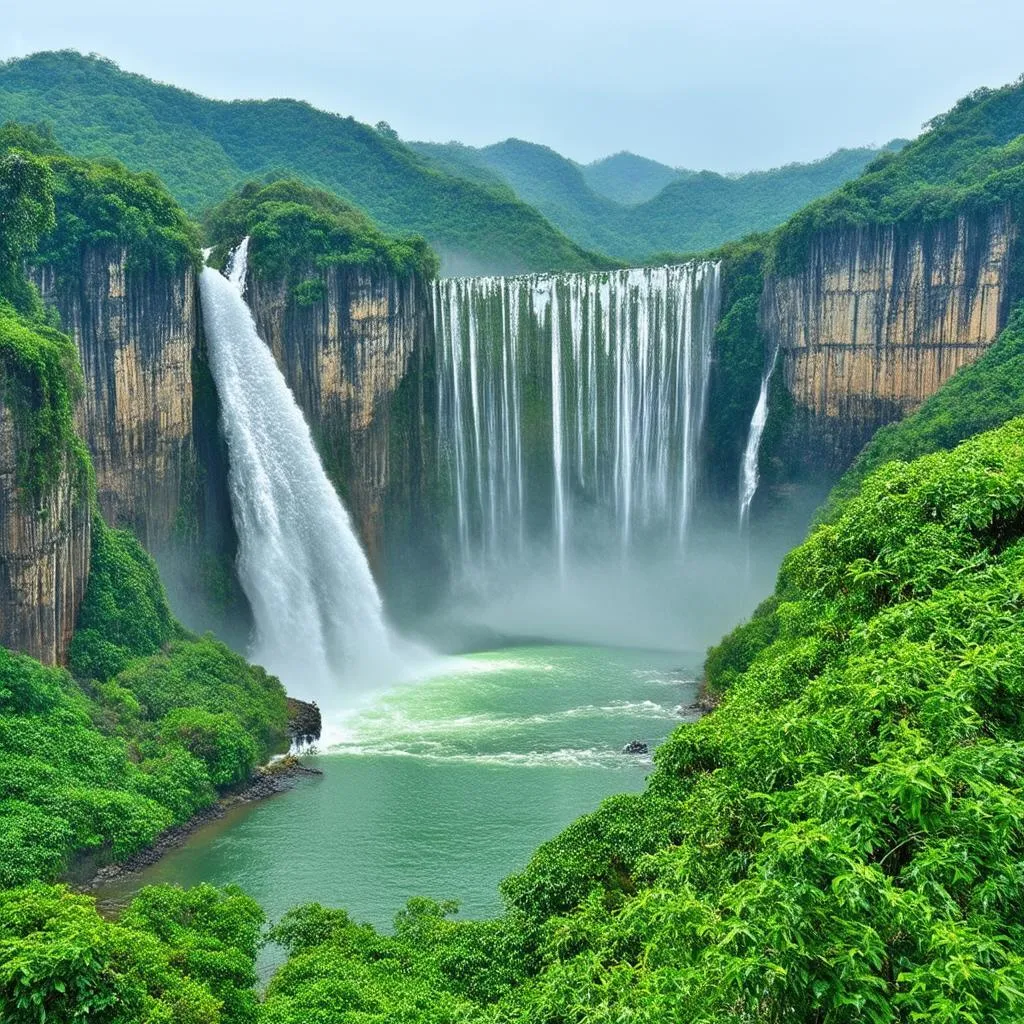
[
  {"x": 135, "y": 330},
  {"x": 878, "y": 318},
  {"x": 44, "y": 555},
  {"x": 356, "y": 347}
]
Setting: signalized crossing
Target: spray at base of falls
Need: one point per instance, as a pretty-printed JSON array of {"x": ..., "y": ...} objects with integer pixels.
[
  {"x": 749, "y": 469},
  {"x": 571, "y": 408},
  {"x": 319, "y": 620}
]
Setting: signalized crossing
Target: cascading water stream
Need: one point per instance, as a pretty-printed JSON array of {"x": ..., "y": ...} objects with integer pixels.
[
  {"x": 749, "y": 469},
  {"x": 318, "y": 616},
  {"x": 571, "y": 409}
]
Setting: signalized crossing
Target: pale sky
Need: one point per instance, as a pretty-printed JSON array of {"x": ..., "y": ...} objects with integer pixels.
[{"x": 725, "y": 84}]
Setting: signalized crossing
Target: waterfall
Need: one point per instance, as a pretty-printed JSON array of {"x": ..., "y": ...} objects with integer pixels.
[
  {"x": 571, "y": 409},
  {"x": 318, "y": 615},
  {"x": 749, "y": 473}
]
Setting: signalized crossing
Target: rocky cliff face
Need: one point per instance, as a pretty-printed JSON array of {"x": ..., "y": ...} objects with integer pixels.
[
  {"x": 44, "y": 556},
  {"x": 358, "y": 359},
  {"x": 135, "y": 331},
  {"x": 878, "y": 319}
]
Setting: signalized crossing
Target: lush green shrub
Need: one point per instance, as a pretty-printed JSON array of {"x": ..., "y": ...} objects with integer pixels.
[
  {"x": 91, "y": 203},
  {"x": 226, "y": 749},
  {"x": 294, "y": 228},
  {"x": 173, "y": 958},
  {"x": 124, "y": 614}
]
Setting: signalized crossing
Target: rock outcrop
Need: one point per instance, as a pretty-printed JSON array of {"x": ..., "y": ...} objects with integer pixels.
[
  {"x": 44, "y": 556},
  {"x": 135, "y": 330},
  {"x": 877, "y": 320},
  {"x": 358, "y": 358}
]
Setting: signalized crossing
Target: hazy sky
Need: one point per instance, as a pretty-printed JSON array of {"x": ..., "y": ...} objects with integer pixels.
[{"x": 724, "y": 84}]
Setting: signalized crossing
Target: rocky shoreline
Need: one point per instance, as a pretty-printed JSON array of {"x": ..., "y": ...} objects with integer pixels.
[{"x": 269, "y": 780}]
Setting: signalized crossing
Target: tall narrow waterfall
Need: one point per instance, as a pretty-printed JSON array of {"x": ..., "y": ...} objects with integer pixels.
[
  {"x": 571, "y": 408},
  {"x": 317, "y": 612},
  {"x": 749, "y": 469}
]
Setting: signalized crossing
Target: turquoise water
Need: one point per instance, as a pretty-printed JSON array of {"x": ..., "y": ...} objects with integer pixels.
[{"x": 443, "y": 787}]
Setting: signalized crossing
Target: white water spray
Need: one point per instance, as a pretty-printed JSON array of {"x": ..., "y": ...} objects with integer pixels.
[
  {"x": 749, "y": 471},
  {"x": 318, "y": 615}
]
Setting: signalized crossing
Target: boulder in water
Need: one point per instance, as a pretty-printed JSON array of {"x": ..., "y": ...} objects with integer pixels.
[{"x": 636, "y": 747}]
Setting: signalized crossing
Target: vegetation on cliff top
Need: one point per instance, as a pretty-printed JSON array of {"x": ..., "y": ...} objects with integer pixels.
[
  {"x": 295, "y": 228},
  {"x": 971, "y": 158},
  {"x": 98, "y": 203},
  {"x": 204, "y": 148},
  {"x": 39, "y": 373}
]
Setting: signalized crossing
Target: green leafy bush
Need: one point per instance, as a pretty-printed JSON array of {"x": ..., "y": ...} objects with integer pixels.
[
  {"x": 294, "y": 227},
  {"x": 124, "y": 614},
  {"x": 173, "y": 958},
  {"x": 226, "y": 749}
]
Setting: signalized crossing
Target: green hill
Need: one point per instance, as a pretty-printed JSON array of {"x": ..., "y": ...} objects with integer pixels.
[
  {"x": 204, "y": 148},
  {"x": 694, "y": 211},
  {"x": 969, "y": 158},
  {"x": 630, "y": 179}
]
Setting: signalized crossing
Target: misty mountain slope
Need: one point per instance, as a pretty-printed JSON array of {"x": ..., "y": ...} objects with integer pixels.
[
  {"x": 202, "y": 148},
  {"x": 694, "y": 211},
  {"x": 630, "y": 179}
]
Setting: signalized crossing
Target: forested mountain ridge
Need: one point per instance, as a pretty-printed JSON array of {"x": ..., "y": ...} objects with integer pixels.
[
  {"x": 204, "y": 148},
  {"x": 692, "y": 211}
]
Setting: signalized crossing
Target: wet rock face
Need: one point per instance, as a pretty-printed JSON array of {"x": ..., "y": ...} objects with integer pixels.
[
  {"x": 304, "y": 723},
  {"x": 135, "y": 331},
  {"x": 881, "y": 317},
  {"x": 44, "y": 558},
  {"x": 357, "y": 361}
]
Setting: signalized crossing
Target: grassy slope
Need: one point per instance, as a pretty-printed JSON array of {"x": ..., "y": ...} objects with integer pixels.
[
  {"x": 693, "y": 212},
  {"x": 203, "y": 148}
]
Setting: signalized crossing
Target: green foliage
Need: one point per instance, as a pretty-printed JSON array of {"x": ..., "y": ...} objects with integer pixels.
[
  {"x": 40, "y": 380},
  {"x": 226, "y": 749},
  {"x": 292, "y": 225},
  {"x": 26, "y": 213},
  {"x": 969, "y": 159},
  {"x": 978, "y": 397},
  {"x": 739, "y": 357},
  {"x": 161, "y": 721},
  {"x": 692, "y": 212},
  {"x": 124, "y": 614},
  {"x": 83, "y": 203},
  {"x": 203, "y": 149},
  {"x": 173, "y": 958},
  {"x": 839, "y": 841}
]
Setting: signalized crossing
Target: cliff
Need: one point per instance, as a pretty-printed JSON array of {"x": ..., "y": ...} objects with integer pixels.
[
  {"x": 877, "y": 319},
  {"x": 135, "y": 329},
  {"x": 356, "y": 352},
  {"x": 44, "y": 553}
]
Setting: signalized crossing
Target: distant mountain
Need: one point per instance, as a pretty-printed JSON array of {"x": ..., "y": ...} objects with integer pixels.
[
  {"x": 203, "y": 148},
  {"x": 694, "y": 211},
  {"x": 630, "y": 179}
]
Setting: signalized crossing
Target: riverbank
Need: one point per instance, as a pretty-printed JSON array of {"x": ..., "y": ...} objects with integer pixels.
[{"x": 269, "y": 780}]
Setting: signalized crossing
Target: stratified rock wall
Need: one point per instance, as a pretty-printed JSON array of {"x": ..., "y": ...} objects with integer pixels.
[
  {"x": 135, "y": 330},
  {"x": 359, "y": 361},
  {"x": 44, "y": 556},
  {"x": 878, "y": 319}
]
